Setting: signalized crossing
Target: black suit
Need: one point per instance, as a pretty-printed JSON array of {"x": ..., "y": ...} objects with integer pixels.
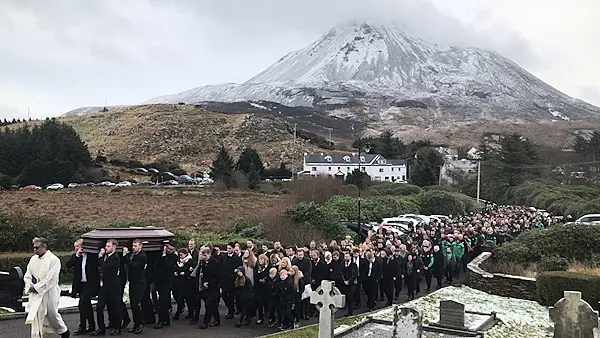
[
  {"x": 110, "y": 290},
  {"x": 390, "y": 270},
  {"x": 85, "y": 290},
  {"x": 136, "y": 265},
  {"x": 123, "y": 272},
  {"x": 319, "y": 273},
  {"x": 349, "y": 283},
  {"x": 370, "y": 277},
  {"x": 230, "y": 263},
  {"x": 361, "y": 277},
  {"x": 165, "y": 273},
  {"x": 210, "y": 273}
]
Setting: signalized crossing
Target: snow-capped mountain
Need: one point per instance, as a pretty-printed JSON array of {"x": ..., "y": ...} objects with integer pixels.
[{"x": 380, "y": 71}]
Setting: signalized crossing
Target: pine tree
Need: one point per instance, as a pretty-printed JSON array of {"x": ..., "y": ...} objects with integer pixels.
[
  {"x": 253, "y": 178},
  {"x": 359, "y": 178},
  {"x": 222, "y": 168},
  {"x": 250, "y": 160}
]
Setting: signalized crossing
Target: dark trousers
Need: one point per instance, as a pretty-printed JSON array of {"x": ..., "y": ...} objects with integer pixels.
[
  {"x": 439, "y": 281},
  {"x": 229, "y": 300},
  {"x": 286, "y": 314},
  {"x": 398, "y": 285},
  {"x": 211, "y": 305},
  {"x": 86, "y": 312},
  {"x": 262, "y": 302},
  {"x": 147, "y": 307},
  {"x": 449, "y": 273},
  {"x": 275, "y": 306},
  {"x": 428, "y": 275},
  {"x": 349, "y": 291},
  {"x": 164, "y": 301},
  {"x": 123, "y": 307},
  {"x": 411, "y": 284},
  {"x": 136, "y": 295},
  {"x": 370, "y": 286},
  {"x": 356, "y": 295},
  {"x": 110, "y": 299},
  {"x": 387, "y": 287}
]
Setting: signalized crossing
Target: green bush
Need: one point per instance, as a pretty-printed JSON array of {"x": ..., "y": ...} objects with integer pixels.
[
  {"x": 394, "y": 189},
  {"x": 318, "y": 216},
  {"x": 439, "y": 202},
  {"x": 573, "y": 242},
  {"x": 21, "y": 259},
  {"x": 552, "y": 285},
  {"x": 513, "y": 252},
  {"x": 553, "y": 263}
]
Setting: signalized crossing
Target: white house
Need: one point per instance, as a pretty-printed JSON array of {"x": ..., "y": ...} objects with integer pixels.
[
  {"x": 454, "y": 169},
  {"x": 375, "y": 165}
]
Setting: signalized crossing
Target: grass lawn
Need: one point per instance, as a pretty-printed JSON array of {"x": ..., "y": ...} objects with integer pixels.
[
  {"x": 312, "y": 331},
  {"x": 530, "y": 270}
]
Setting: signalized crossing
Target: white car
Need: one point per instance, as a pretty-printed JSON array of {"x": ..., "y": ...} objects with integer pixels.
[
  {"x": 55, "y": 186},
  {"x": 124, "y": 184},
  {"x": 401, "y": 225},
  {"x": 419, "y": 218},
  {"x": 588, "y": 218},
  {"x": 106, "y": 184},
  {"x": 72, "y": 185},
  {"x": 439, "y": 218}
]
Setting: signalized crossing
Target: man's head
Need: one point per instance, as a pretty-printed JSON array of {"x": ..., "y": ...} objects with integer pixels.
[
  {"x": 312, "y": 244},
  {"x": 382, "y": 253},
  {"x": 40, "y": 246},
  {"x": 230, "y": 248},
  {"x": 78, "y": 245},
  {"x": 170, "y": 248},
  {"x": 191, "y": 244},
  {"x": 290, "y": 251},
  {"x": 314, "y": 254},
  {"x": 250, "y": 244},
  {"x": 237, "y": 249},
  {"x": 136, "y": 246},
  {"x": 205, "y": 254},
  {"x": 300, "y": 254},
  {"x": 111, "y": 246},
  {"x": 265, "y": 248},
  {"x": 277, "y": 245},
  {"x": 335, "y": 255},
  {"x": 347, "y": 257}
]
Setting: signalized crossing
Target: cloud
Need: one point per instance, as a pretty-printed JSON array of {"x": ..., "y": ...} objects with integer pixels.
[{"x": 64, "y": 54}]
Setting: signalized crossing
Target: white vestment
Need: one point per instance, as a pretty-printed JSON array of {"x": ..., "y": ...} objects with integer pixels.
[{"x": 43, "y": 306}]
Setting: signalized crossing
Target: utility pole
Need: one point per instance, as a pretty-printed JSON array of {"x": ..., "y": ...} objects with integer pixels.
[
  {"x": 28, "y": 113},
  {"x": 478, "y": 180},
  {"x": 330, "y": 140},
  {"x": 295, "y": 125}
]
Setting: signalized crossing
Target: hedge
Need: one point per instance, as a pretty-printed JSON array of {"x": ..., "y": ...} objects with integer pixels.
[
  {"x": 21, "y": 259},
  {"x": 573, "y": 242},
  {"x": 552, "y": 285}
]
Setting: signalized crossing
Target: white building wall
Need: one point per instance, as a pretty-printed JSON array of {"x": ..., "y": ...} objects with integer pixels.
[{"x": 377, "y": 172}]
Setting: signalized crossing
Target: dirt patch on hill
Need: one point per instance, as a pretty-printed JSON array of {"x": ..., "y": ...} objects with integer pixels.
[{"x": 174, "y": 208}]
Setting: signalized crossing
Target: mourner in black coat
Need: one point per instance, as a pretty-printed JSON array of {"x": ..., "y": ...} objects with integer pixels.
[
  {"x": 164, "y": 274},
  {"x": 390, "y": 271},
  {"x": 136, "y": 262},
  {"x": 109, "y": 294},
  {"x": 349, "y": 281},
  {"x": 208, "y": 272},
  {"x": 85, "y": 285},
  {"x": 231, "y": 261}
]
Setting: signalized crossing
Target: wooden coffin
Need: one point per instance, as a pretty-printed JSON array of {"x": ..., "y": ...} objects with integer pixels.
[{"x": 153, "y": 239}]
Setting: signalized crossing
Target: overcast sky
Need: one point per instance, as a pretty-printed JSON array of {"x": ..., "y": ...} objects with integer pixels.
[{"x": 63, "y": 54}]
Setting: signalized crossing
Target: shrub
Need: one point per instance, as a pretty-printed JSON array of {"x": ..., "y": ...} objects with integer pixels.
[
  {"x": 553, "y": 263},
  {"x": 21, "y": 259},
  {"x": 552, "y": 285},
  {"x": 573, "y": 242},
  {"x": 395, "y": 189},
  {"x": 440, "y": 202},
  {"x": 514, "y": 252},
  {"x": 313, "y": 215}
]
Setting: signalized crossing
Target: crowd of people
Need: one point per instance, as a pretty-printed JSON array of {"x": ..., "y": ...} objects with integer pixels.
[{"x": 271, "y": 285}]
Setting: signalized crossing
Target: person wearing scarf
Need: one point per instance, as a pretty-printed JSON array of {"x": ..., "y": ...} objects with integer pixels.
[{"x": 182, "y": 283}]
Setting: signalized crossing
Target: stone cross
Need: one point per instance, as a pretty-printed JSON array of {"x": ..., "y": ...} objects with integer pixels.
[
  {"x": 328, "y": 300},
  {"x": 573, "y": 317}
]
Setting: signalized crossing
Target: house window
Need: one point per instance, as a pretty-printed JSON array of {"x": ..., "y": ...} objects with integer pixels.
[
  {"x": 339, "y": 168},
  {"x": 314, "y": 168},
  {"x": 403, "y": 178},
  {"x": 363, "y": 169},
  {"x": 329, "y": 169},
  {"x": 392, "y": 169},
  {"x": 387, "y": 178},
  {"x": 380, "y": 170}
]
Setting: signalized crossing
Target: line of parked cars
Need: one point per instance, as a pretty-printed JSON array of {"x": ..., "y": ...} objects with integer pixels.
[{"x": 181, "y": 180}]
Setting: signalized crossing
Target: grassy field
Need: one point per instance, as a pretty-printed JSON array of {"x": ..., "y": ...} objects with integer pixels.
[
  {"x": 530, "y": 269},
  {"x": 175, "y": 208}
]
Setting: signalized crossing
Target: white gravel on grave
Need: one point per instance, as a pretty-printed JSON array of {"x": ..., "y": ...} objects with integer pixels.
[{"x": 519, "y": 318}]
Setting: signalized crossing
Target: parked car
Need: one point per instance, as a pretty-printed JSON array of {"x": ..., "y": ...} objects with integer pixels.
[
  {"x": 55, "y": 186},
  {"x": 106, "y": 184},
  {"x": 421, "y": 218},
  {"x": 402, "y": 225},
  {"x": 72, "y": 185},
  {"x": 589, "y": 218},
  {"x": 141, "y": 170},
  {"x": 145, "y": 184},
  {"x": 170, "y": 182},
  {"x": 124, "y": 184},
  {"x": 30, "y": 188}
]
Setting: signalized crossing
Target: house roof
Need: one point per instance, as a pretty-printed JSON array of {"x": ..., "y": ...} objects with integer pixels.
[
  {"x": 461, "y": 164},
  {"x": 348, "y": 159}
]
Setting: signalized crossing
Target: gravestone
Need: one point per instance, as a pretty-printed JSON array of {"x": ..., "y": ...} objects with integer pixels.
[
  {"x": 328, "y": 299},
  {"x": 452, "y": 314},
  {"x": 12, "y": 286},
  {"x": 407, "y": 323},
  {"x": 573, "y": 317}
]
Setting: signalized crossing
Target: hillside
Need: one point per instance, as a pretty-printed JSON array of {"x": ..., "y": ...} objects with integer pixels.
[{"x": 187, "y": 135}]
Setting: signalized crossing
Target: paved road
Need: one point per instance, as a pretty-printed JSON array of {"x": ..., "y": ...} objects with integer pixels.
[{"x": 16, "y": 328}]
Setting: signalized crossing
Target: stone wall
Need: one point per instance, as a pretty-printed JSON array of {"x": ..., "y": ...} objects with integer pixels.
[{"x": 497, "y": 283}]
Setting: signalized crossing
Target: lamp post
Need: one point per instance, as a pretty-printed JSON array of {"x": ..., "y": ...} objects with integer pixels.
[{"x": 360, "y": 182}]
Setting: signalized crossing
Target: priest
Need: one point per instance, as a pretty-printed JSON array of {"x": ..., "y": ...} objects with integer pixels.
[{"x": 41, "y": 284}]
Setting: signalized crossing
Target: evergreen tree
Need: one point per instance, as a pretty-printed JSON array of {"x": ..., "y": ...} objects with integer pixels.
[
  {"x": 385, "y": 144},
  {"x": 250, "y": 160},
  {"x": 222, "y": 168},
  {"x": 581, "y": 146},
  {"x": 253, "y": 178},
  {"x": 517, "y": 159},
  {"x": 426, "y": 169},
  {"x": 359, "y": 178}
]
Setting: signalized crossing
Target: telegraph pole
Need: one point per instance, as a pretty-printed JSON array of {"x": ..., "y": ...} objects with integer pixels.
[
  {"x": 295, "y": 125},
  {"x": 478, "y": 180},
  {"x": 330, "y": 140}
]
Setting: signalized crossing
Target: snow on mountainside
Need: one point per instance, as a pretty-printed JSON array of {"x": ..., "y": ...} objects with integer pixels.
[{"x": 379, "y": 72}]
